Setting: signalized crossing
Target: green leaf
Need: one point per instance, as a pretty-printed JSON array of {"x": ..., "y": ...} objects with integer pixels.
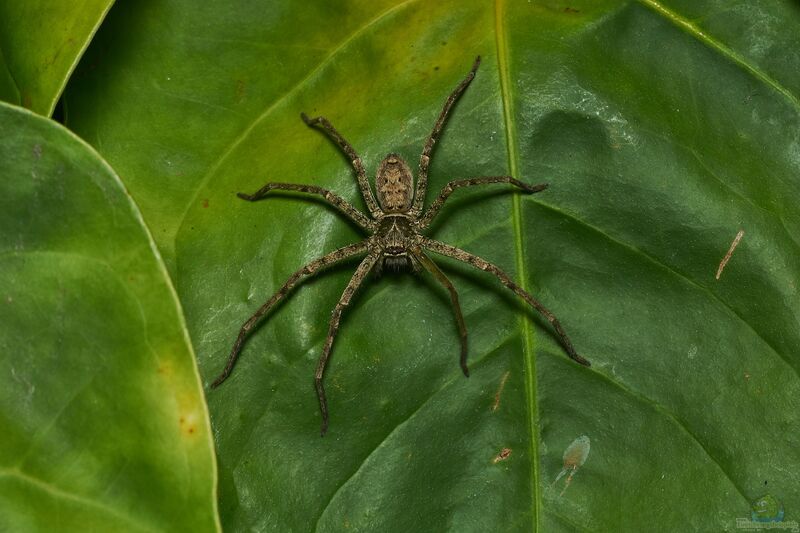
[
  {"x": 104, "y": 424},
  {"x": 663, "y": 129},
  {"x": 40, "y": 45}
]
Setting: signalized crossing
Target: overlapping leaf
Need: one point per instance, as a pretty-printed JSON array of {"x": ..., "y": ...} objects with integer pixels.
[
  {"x": 103, "y": 420},
  {"x": 40, "y": 44}
]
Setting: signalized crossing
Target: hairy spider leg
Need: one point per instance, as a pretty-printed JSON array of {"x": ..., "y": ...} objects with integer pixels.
[
  {"x": 448, "y": 189},
  {"x": 434, "y": 269},
  {"x": 355, "y": 160},
  {"x": 425, "y": 158},
  {"x": 481, "y": 264},
  {"x": 355, "y": 282},
  {"x": 331, "y": 198},
  {"x": 312, "y": 267}
]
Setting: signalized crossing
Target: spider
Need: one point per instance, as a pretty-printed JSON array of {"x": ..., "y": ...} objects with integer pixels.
[{"x": 396, "y": 241}]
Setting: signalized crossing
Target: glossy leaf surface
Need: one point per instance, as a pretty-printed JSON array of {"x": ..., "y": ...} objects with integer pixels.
[
  {"x": 663, "y": 128},
  {"x": 103, "y": 420},
  {"x": 40, "y": 44}
]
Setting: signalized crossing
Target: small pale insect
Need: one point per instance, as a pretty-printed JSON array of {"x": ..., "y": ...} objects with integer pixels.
[
  {"x": 395, "y": 238},
  {"x": 574, "y": 457}
]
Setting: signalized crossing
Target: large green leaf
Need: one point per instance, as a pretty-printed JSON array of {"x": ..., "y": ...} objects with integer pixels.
[
  {"x": 40, "y": 44},
  {"x": 104, "y": 424},
  {"x": 664, "y": 130}
]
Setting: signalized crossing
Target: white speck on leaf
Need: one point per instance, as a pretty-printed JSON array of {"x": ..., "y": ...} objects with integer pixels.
[{"x": 574, "y": 457}]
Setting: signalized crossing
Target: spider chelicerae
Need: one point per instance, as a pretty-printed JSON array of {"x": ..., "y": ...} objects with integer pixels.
[{"x": 396, "y": 240}]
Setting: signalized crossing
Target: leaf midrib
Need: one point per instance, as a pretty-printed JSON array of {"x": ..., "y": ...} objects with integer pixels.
[{"x": 516, "y": 215}]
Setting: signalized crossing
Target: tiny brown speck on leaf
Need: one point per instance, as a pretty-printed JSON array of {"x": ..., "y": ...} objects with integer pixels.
[
  {"x": 728, "y": 255},
  {"x": 502, "y": 456},
  {"x": 205, "y": 202},
  {"x": 496, "y": 403},
  {"x": 186, "y": 425}
]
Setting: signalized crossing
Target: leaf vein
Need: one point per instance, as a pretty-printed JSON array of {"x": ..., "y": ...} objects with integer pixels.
[
  {"x": 669, "y": 415},
  {"x": 651, "y": 259},
  {"x": 404, "y": 422},
  {"x": 214, "y": 167},
  {"x": 733, "y": 56},
  {"x": 62, "y": 494}
]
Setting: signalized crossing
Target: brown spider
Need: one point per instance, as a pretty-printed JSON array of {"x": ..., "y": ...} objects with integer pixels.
[{"x": 395, "y": 240}]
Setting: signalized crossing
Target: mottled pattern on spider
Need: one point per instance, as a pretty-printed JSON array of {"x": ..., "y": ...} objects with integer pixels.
[{"x": 395, "y": 241}]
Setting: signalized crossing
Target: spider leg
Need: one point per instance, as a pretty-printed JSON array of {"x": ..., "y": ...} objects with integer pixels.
[
  {"x": 309, "y": 269},
  {"x": 361, "y": 175},
  {"x": 480, "y": 263},
  {"x": 425, "y": 158},
  {"x": 434, "y": 269},
  {"x": 358, "y": 277},
  {"x": 333, "y": 199},
  {"x": 448, "y": 189}
]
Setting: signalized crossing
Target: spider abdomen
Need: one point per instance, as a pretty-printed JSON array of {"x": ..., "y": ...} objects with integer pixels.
[{"x": 394, "y": 184}]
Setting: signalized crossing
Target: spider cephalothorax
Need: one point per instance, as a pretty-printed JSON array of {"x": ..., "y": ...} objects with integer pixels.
[{"x": 395, "y": 239}]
